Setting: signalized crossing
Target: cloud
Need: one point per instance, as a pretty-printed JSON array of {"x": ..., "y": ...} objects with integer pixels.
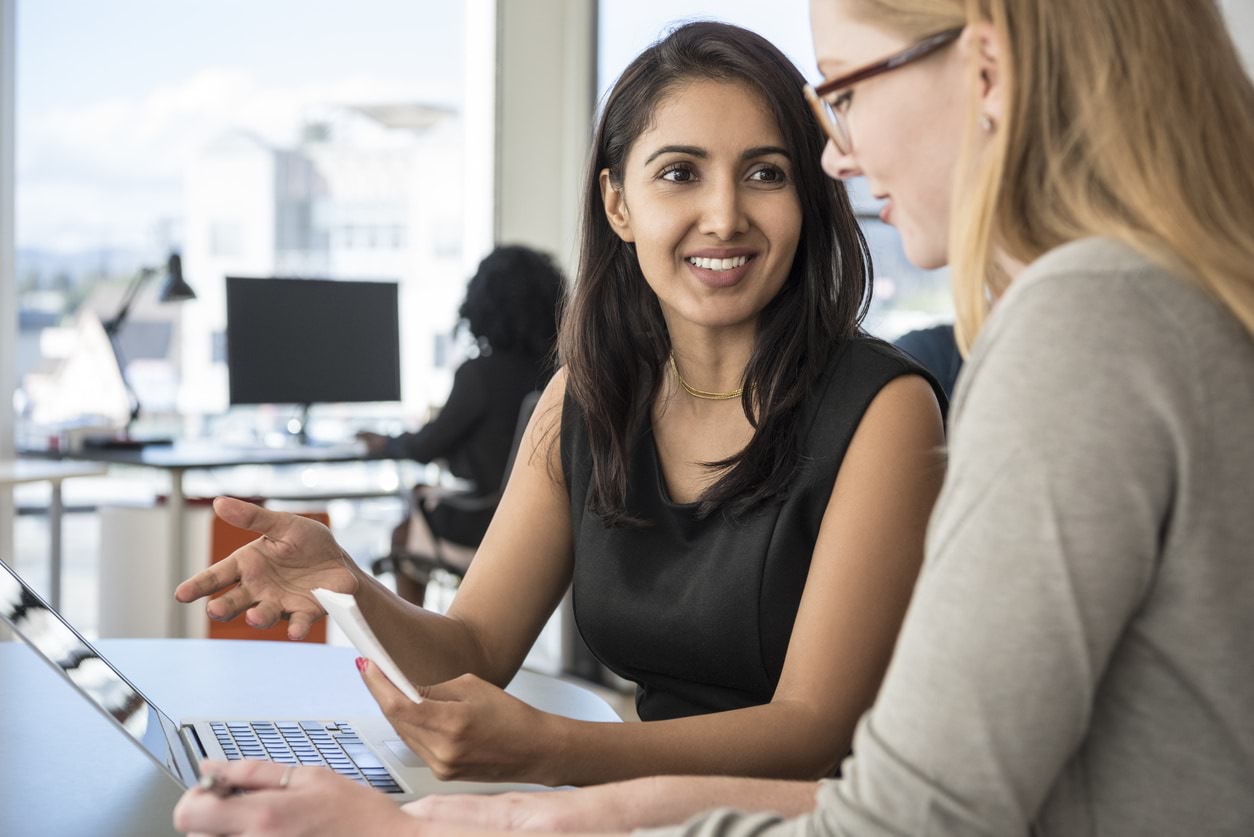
[{"x": 103, "y": 174}]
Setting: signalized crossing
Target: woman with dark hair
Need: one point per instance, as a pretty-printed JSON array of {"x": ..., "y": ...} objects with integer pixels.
[
  {"x": 511, "y": 311},
  {"x": 734, "y": 478}
]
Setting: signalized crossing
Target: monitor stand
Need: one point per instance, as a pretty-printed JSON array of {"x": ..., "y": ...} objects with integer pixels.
[{"x": 298, "y": 426}]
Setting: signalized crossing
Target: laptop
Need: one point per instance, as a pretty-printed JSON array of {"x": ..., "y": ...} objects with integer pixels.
[{"x": 366, "y": 750}]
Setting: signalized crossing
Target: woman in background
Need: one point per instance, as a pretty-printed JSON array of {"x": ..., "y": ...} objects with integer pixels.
[{"x": 511, "y": 311}]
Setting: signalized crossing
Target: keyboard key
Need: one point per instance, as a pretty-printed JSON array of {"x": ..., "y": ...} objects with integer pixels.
[{"x": 361, "y": 754}]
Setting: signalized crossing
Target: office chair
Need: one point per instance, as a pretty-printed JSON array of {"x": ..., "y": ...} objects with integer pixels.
[{"x": 446, "y": 556}]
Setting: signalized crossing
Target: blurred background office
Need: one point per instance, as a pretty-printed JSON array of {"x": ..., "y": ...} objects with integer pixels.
[{"x": 391, "y": 141}]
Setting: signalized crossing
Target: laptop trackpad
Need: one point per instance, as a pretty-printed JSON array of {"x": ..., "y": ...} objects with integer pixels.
[{"x": 406, "y": 756}]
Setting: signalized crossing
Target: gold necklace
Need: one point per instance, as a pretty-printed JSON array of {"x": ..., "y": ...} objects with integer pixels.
[{"x": 700, "y": 393}]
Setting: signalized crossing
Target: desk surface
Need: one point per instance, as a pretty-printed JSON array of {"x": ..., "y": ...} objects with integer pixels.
[
  {"x": 64, "y": 770},
  {"x": 13, "y": 471},
  {"x": 210, "y": 454}
]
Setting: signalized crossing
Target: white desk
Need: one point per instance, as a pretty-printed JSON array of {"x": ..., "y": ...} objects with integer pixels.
[
  {"x": 66, "y": 771},
  {"x": 17, "y": 471}
]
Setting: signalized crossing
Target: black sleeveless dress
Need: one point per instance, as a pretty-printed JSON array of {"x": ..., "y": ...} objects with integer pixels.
[{"x": 698, "y": 613}]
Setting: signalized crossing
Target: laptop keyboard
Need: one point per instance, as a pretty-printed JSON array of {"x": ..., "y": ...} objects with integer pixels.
[{"x": 331, "y": 744}]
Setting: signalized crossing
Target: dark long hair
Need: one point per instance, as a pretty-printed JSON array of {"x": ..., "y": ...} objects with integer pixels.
[
  {"x": 613, "y": 340},
  {"x": 511, "y": 301}
]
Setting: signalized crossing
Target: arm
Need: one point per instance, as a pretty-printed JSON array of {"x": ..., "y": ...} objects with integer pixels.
[
  {"x": 519, "y": 574},
  {"x": 623, "y": 806},
  {"x": 867, "y": 555},
  {"x": 467, "y": 401}
]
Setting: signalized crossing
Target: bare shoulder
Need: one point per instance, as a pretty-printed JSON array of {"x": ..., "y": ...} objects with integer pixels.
[
  {"x": 905, "y": 408},
  {"x": 544, "y": 432},
  {"x": 548, "y": 413}
]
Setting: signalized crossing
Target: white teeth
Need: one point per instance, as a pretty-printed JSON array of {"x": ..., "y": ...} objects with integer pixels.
[{"x": 718, "y": 264}]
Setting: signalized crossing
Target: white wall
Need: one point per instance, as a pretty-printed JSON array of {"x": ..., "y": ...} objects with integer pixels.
[
  {"x": 1240, "y": 14},
  {"x": 546, "y": 91}
]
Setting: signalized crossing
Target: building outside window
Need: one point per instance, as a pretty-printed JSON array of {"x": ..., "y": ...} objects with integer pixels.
[{"x": 277, "y": 139}]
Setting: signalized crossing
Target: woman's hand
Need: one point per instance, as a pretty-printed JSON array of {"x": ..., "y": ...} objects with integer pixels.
[
  {"x": 313, "y": 801},
  {"x": 470, "y": 729},
  {"x": 275, "y": 572},
  {"x": 375, "y": 443}
]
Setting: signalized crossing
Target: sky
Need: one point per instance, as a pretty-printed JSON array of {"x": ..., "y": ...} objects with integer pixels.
[{"x": 116, "y": 99}]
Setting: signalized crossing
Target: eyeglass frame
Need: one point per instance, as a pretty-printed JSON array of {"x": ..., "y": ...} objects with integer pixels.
[{"x": 827, "y": 116}]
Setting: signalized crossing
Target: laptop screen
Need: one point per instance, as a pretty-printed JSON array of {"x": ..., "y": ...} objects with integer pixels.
[{"x": 52, "y": 638}]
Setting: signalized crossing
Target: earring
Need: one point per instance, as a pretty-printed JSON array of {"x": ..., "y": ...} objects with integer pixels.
[{"x": 986, "y": 123}]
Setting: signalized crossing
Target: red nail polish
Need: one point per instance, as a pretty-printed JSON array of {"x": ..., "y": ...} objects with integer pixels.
[{"x": 361, "y": 663}]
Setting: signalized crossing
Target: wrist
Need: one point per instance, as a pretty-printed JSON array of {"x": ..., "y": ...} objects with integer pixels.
[
  {"x": 357, "y": 578},
  {"x": 551, "y": 756}
]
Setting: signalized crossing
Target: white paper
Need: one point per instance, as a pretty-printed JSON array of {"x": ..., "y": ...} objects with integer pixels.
[{"x": 343, "y": 609}]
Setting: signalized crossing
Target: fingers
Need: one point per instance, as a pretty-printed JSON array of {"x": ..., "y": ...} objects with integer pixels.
[
  {"x": 299, "y": 623},
  {"x": 254, "y": 518},
  {"x": 229, "y": 605},
  {"x": 459, "y": 688},
  {"x": 201, "y": 811},
  {"x": 263, "y": 615},
  {"x": 405, "y": 716},
  {"x": 390, "y": 699},
  {"x": 247, "y": 774},
  {"x": 207, "y": 582}
]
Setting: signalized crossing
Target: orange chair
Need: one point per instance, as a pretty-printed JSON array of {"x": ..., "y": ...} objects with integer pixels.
[{"x": 225, "y": 539}]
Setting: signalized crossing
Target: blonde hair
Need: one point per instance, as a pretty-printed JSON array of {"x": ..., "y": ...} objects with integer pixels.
[{"x": 1131, "y": 119}]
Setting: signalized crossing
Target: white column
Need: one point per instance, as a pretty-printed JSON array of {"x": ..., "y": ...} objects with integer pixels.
[
  {"x": 545, "y": 101},
  {"x": 546, "y": 95},
  {"x": 479, "y": 121},
  {"x": 8, "y": 273}
]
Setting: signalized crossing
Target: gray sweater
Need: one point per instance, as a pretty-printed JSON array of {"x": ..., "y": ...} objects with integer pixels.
[{"x": 1078, "y": 658}]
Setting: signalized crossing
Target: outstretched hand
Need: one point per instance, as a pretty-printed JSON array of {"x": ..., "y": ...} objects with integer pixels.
[{"x": 274, "y": 573}]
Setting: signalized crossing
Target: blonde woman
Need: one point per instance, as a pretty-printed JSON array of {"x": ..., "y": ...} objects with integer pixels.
[{"x": 1077, "y": 657}]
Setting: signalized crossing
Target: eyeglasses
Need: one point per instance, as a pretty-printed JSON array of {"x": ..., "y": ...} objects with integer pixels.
[{"x": 830, "y": 98}]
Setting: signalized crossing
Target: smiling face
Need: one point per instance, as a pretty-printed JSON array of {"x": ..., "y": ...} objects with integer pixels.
[
  {"x": 907, "y": 126},
  {"x": 708, "y": 199}
]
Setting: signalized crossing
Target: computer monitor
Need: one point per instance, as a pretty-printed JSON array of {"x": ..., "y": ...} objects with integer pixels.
[{"x": 311, "y": 341}]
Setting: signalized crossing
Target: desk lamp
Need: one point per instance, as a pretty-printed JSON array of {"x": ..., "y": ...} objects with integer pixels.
[{"x": 173, "y": 289}]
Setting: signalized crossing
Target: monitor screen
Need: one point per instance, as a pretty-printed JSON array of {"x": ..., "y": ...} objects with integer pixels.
[{"x": 312, "y": 341}]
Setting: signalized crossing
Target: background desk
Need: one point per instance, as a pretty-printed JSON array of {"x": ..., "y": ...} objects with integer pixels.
[
  {"x": 13, "y": 472},
  {"x": 65, "y": 771},
  {"x": 176, "y": 460}
]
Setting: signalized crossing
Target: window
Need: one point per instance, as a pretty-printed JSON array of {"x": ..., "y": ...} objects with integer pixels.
[{"x": 255, "y": 139}]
